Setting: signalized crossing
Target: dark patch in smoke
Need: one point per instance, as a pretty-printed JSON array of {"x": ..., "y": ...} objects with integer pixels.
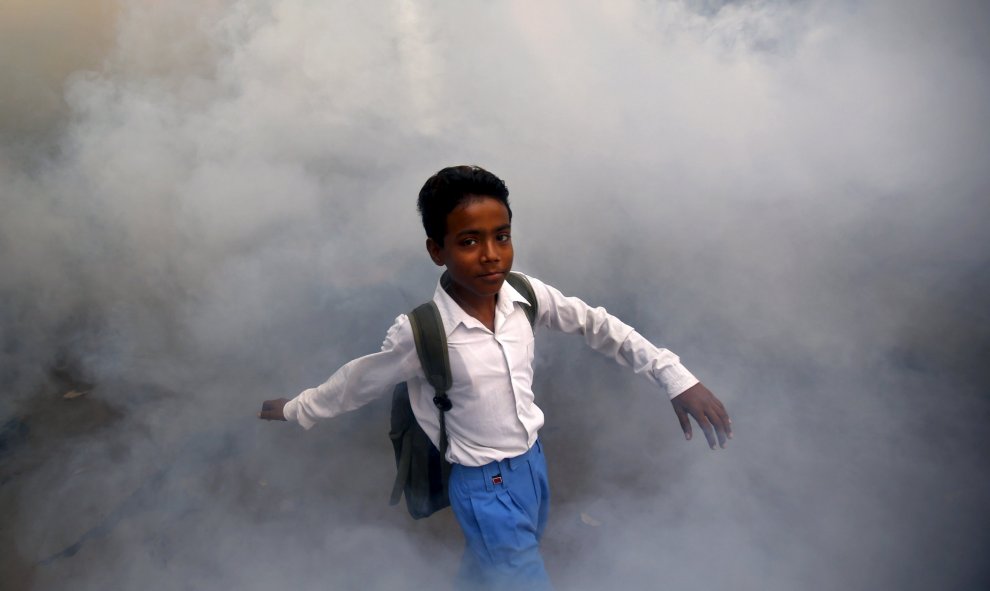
[{"x": 791, "y": 195}]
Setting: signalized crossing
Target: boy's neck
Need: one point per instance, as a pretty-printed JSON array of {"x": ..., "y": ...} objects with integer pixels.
[{"x": 481, "y": 309}]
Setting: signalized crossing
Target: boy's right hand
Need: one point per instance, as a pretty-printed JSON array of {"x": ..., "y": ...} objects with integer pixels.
[{"x": 271, "y": 410}]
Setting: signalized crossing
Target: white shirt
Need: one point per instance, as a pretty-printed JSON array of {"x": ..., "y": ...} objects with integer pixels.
[{"x": 494, "y": 414}]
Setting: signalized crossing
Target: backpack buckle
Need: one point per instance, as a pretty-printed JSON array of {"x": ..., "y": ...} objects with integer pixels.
[{"x": 442, "y": 402}]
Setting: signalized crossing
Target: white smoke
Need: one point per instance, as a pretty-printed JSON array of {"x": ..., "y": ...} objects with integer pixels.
[{"x": 218, "y": 208}]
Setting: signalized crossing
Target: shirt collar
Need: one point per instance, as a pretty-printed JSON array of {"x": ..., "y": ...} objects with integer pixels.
[{"x": 453, "y": 315}]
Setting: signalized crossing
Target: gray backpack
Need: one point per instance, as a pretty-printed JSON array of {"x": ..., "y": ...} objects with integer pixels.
[{"x": 422, "y": 469}]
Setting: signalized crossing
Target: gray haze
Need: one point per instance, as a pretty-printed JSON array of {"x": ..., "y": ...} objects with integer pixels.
[{"x": 209, "y": 204}]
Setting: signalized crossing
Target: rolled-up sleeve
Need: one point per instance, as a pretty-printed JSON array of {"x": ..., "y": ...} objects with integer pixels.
[
  {"x": 611, "y": 337},
  {"x": 359, "y": 381}
]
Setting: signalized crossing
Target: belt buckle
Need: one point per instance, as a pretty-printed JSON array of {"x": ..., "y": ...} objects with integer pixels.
[{"x": 497, "y": 479}]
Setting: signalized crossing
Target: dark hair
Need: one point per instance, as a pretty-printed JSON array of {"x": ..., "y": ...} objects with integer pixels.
[{"x": 445, "y": 190}]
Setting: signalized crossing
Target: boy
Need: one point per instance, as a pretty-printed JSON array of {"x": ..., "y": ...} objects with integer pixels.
[{"x": 498, "y": 485}]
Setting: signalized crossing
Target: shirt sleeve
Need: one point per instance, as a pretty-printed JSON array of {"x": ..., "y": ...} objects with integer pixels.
[
  {"x": 359, "y": 381},
  {"x": 611, "y": 337}
]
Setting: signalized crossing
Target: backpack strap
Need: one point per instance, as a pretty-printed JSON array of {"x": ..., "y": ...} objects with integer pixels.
[
  {"x": 525, "y": 288},
  {"x": 431, "y": 347}
]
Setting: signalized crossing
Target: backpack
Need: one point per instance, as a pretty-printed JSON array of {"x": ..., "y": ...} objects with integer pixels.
[{"x": 422, "y": 470}]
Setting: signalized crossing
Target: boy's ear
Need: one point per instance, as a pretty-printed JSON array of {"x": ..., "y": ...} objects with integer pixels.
[{"x": 436, "y": 251}]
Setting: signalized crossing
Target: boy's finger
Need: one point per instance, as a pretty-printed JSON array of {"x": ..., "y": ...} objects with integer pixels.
[
  {"x": 682, "y": 418},
  {"x": 722, "y": 407},
  {"x": 706, "y": 427},
  {"x": 727, "y": 422},
  {"x": 722, "y": 421},
  {"x": 720, "y": 430}
]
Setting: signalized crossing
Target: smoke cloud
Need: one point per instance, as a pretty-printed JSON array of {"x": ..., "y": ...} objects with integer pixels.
[{"x": 208, "y": 205}]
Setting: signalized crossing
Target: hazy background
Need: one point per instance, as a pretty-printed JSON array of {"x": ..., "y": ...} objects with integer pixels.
[{"x": 209, "y": 204}]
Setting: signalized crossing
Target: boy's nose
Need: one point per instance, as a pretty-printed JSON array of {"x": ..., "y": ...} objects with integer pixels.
[{"x": 489, "y": 252}]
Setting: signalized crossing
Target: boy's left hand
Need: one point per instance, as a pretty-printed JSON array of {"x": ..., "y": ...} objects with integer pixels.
[{"x": 707, "y": 410}]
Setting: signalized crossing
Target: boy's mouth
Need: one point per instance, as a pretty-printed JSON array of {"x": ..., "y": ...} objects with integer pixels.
[{"x": 493, "y": 275}]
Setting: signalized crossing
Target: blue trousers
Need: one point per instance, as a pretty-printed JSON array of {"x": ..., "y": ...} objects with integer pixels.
[{"x": 502, "y": 508}]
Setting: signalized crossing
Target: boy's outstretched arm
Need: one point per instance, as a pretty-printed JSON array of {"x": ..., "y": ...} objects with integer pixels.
[
  {"x": 707, "y": 410},
  {"x": 355, "y": 384},
  {"x": 612, "y": 337}
]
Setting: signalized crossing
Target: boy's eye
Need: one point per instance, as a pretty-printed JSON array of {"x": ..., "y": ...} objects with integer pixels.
[
  {"x": 469, "y": 242},
  {"x": 503, "y": 237}
]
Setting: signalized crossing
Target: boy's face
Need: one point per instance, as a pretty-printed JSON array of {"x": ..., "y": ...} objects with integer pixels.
[{"x": 477, "y": 249}]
